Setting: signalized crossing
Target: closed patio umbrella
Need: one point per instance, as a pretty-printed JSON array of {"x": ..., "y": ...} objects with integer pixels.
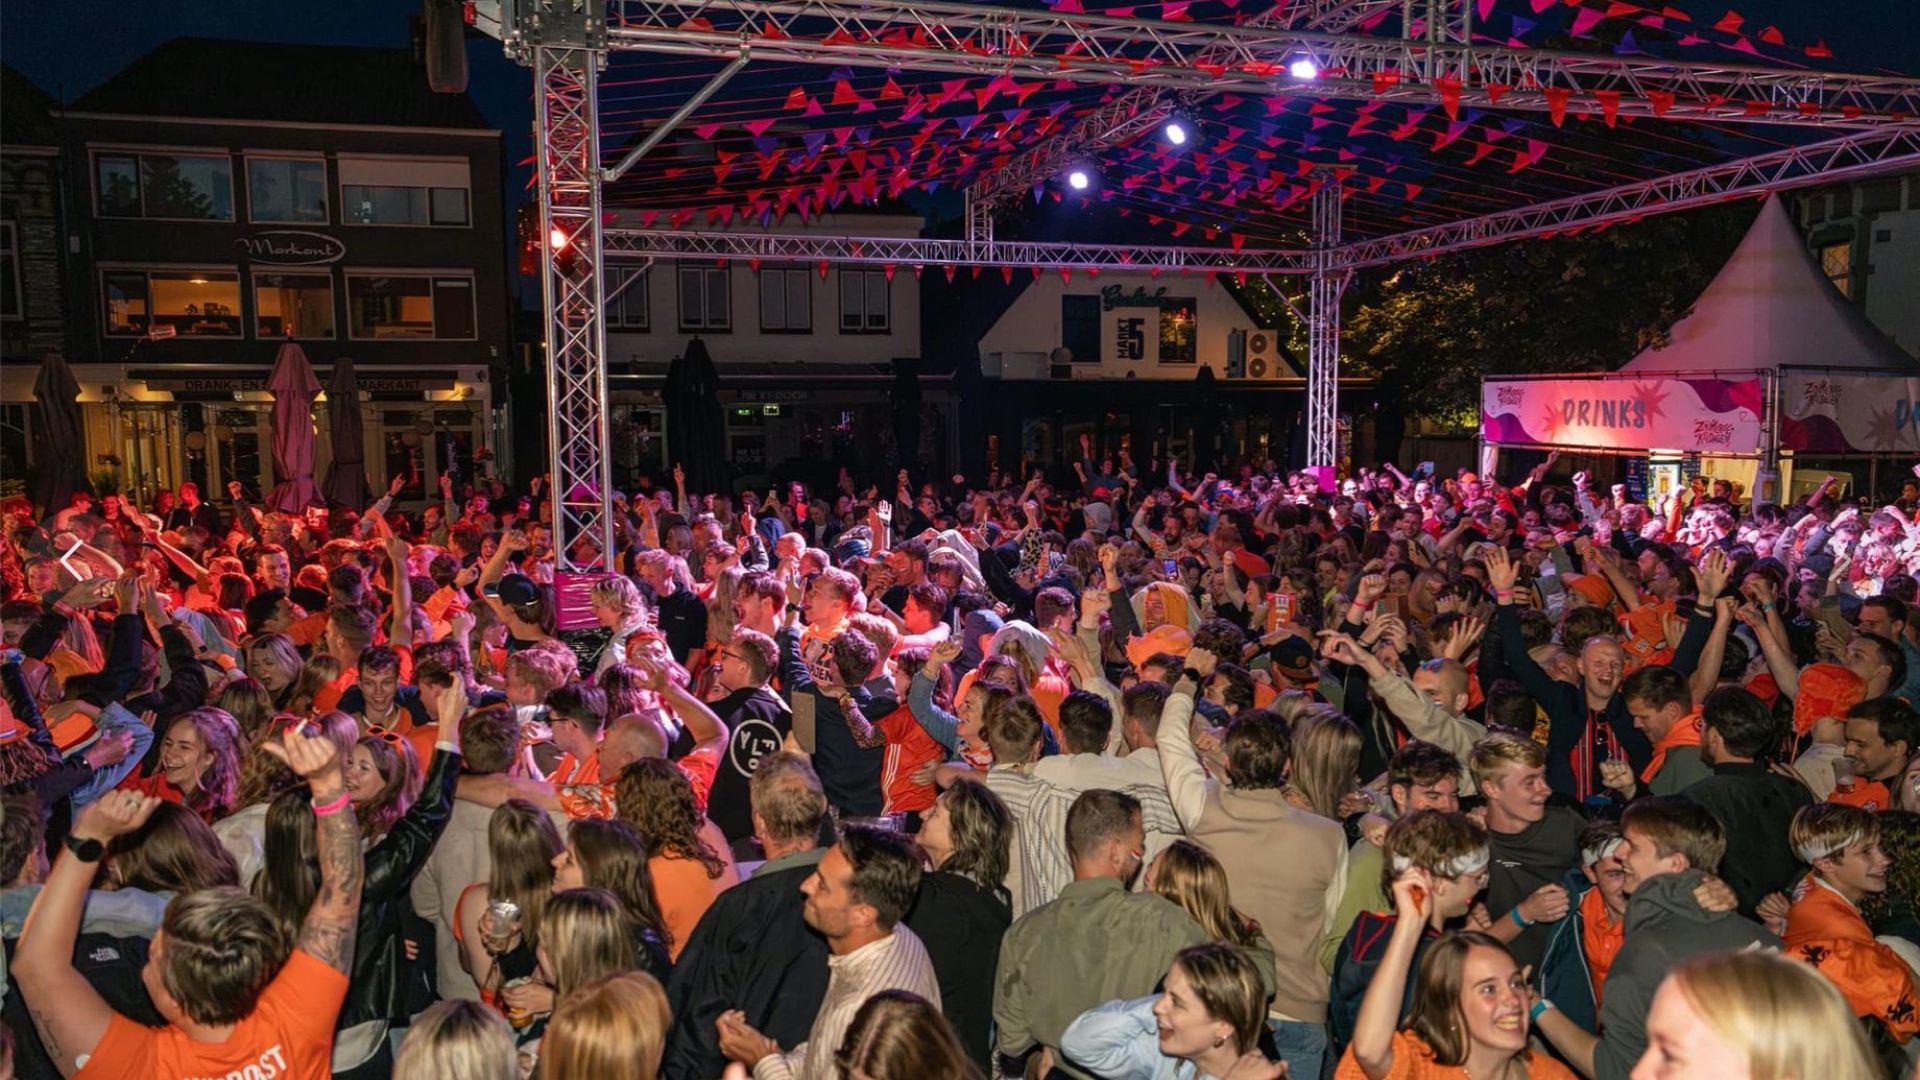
[
  {"x": 58, "y": 443},
  {"x": 346, "y": 482},
  {"x": 696, "y": 429},
  {"x": 294, "y": 389}
]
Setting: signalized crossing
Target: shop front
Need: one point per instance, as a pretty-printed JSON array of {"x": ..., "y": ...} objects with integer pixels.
[{"x": 149, "y": 429}]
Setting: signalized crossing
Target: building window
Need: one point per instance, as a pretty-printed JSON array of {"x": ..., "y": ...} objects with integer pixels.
[
  {"x": 1836, "y": 260},
  {"x": 405, "y": 191},
  {"x": 864, "y": 307},
  {"x": 195, "y": 303},
  {"x": 705, "y": 298},
  {"x": 11, "y": 304},
  {"x": 188, "y": 187},
  {"x": 628, "y": 310},
  {"x": 786, "y": 300},
  {"x": 1177, "y": 330},
  {"x": 412, "y": 306},
  {"x": 1080, "y": 327},
  {"x": 289, "y": 190},
  {"x": 292, "y": 305}
]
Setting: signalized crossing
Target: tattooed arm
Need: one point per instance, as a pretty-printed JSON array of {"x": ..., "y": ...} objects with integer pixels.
[
  {"x": 327, "y": 932},
  {"x": 69, "y": 1014}
]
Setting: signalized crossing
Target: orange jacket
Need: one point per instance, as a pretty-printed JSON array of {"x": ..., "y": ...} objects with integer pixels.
[{"x": 1825, "y": 930}]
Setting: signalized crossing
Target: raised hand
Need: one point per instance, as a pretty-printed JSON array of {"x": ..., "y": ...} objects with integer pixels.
[
  {"x": 1371, "y": 588},
  {"x": 115, "y": 814},
  {"x": 515, "y": 540},
  {"x": 943, "y": 654},
  {"x": 234, "y": 490},
  {"x": 884, "y": 511},
  {"x": 1714, "y": 572},
  {"x": 398, "y": 485},
  {"x": 90, "y": 593},
  {"x": 1202, "y": 662},
  {"x": 311, "y": 757},
  {"x": 1502, "y": 573}
]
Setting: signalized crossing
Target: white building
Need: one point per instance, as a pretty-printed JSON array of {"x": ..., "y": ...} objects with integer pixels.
[{"x": 807, "y": 357}]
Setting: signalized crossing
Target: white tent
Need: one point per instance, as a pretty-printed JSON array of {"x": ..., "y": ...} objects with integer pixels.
[{"x": 1771, "y": 307}]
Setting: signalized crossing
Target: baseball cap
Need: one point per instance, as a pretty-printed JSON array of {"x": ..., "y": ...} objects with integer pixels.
[
  {"x": 1825, "y": 690},
  {"x": 518, "y": 590}
]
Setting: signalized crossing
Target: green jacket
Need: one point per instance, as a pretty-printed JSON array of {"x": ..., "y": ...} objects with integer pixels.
[{"x": 1095, "y": 943}]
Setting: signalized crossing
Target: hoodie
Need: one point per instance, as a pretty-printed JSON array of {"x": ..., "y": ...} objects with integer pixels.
[{"x": 1665, "y": 926}]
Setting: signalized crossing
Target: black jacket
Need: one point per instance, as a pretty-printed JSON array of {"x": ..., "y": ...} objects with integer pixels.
[
  {"x": 1756, "y": 807},
  {"x": 378, "y": 987},
  {"x": 961, "y": 924},
  {"x": 849, "y": 772},
  {"x": 754, "y": 952},
  {"x": 1573, "y": 727}
]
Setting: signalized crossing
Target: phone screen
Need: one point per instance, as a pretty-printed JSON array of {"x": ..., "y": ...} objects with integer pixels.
[{"x": 1169, "y": 567}]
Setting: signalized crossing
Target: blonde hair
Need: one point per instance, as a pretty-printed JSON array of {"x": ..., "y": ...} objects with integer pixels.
[
  {"x": 1770, "y": 1006},
  {"x": 618, "y": 592},
  {"x": 1500, "y": 749},
  {"x": 458, "y": 1038},
  {"x": 319, "y": 670},
  {"x": 615, "y": 1025},
  {"x": 1326, "y": 757},
  {"x": 585, "y": 936},
  {"x": 1191, "y": 877},
  {"x": 1827, "y": 830}
]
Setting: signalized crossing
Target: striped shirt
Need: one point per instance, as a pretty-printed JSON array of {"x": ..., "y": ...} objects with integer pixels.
[{"x": 896, "y": 962}]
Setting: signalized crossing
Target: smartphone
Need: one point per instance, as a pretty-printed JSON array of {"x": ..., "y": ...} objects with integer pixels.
[{"x": 1170, "y": 567}]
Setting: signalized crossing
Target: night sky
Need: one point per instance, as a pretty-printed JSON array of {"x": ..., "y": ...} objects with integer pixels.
[{"x": 70, "y": 46}]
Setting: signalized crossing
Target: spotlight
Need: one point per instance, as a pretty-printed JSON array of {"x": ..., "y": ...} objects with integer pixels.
[
  {"x": 1079, "y": 178},
  {"x": 1304, "y": 69},
  {"x": 557, "y": 239},
  {"x": 1176, "y": 131}
]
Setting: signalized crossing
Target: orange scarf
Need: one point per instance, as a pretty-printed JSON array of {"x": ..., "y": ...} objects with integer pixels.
[
  {"x": 1600, "y": 937},
  {"x": 1825, "y": 930},
  {"x": 1684, "y": 732}
]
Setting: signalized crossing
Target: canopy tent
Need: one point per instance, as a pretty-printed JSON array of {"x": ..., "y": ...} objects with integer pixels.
[{"x": 1771, "y": 359}]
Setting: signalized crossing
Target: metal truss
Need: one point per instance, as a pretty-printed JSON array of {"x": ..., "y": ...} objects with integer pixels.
[
  {"x": 1325, "y": 288},
  {"x": 567, "y": 126},
  {"x": 913, "y": 251},
  {"x": 1851, "y": 157},
  {"x": 1144, "y": 108},
  {"x": 991, "y": 41}
]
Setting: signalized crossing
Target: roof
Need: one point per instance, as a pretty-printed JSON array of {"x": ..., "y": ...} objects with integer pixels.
[
  {"x": 26, "y": 111},
  {"x": 1770, "y": 307},
  {"x": 219, "y": 79}
]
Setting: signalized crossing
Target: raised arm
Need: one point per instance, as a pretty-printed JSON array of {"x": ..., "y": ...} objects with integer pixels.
[
  {"x": 1373, "y": 1029},
  {"x": 70, "y": 1016},
  {"x": 327, "y": 932},
  {"x": 1179, "y": 763}
]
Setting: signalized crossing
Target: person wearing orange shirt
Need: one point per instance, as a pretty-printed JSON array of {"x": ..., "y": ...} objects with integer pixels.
[
  {"x": 250, "y": 1014},
  {"x": 1825, "y": 927}
]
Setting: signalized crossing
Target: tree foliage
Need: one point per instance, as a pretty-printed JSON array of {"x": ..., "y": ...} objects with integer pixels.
[{"x": 1429, "y": 330}]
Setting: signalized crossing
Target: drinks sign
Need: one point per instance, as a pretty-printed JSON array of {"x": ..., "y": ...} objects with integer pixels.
[{"x": 291, "y": 247}]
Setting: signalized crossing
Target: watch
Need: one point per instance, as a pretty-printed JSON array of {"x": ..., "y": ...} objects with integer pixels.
[{"x": 88, "y": 851}]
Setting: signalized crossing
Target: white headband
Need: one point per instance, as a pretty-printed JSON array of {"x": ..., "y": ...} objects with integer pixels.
[
  {"x": 1813, "y": 849},
  {"x": 1458, "y": 867},
  {"x": 1589, "y": 856}
]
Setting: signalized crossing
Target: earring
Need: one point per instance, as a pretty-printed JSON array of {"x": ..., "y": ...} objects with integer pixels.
[{"x": 1218, "y": 1041}]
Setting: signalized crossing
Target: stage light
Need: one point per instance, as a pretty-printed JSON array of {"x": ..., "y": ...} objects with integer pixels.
[
  {"x": 1304, "y": 69},
  {"x": 1079, "y": 178},
  {"x": 558, "y": 239},
  {"x": 1176, "y": 131}
]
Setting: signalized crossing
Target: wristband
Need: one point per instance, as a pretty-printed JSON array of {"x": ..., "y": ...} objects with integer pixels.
[
  {"x": 1766, "y": 607},
  {"x": 334, "y": 807},
  {"x": 1539, "y": 1007},
  {"x": 1519, "y": 920},
  {"x": 1503, "y": 595}
]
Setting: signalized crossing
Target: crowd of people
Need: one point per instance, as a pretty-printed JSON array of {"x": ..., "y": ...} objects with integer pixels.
[{"x": 1128, "y": 773}]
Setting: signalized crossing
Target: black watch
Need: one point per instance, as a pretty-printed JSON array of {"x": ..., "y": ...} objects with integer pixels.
[
  {"x": 88, "y": 851},
  {"x": 795, "y": 608},
  {"x": 1194, "y": 675}
]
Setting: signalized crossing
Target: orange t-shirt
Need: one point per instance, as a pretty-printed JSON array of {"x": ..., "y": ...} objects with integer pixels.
[
  {"x": 1601, "y": 937},
  {"x": 288, "y": 1035},
  {"x": 1413, "y": 1060},
  {"x": 684, "y": 890}
]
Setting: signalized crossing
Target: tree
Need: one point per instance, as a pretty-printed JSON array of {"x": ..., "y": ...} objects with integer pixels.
[{"x": 1589, "y": 302}]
